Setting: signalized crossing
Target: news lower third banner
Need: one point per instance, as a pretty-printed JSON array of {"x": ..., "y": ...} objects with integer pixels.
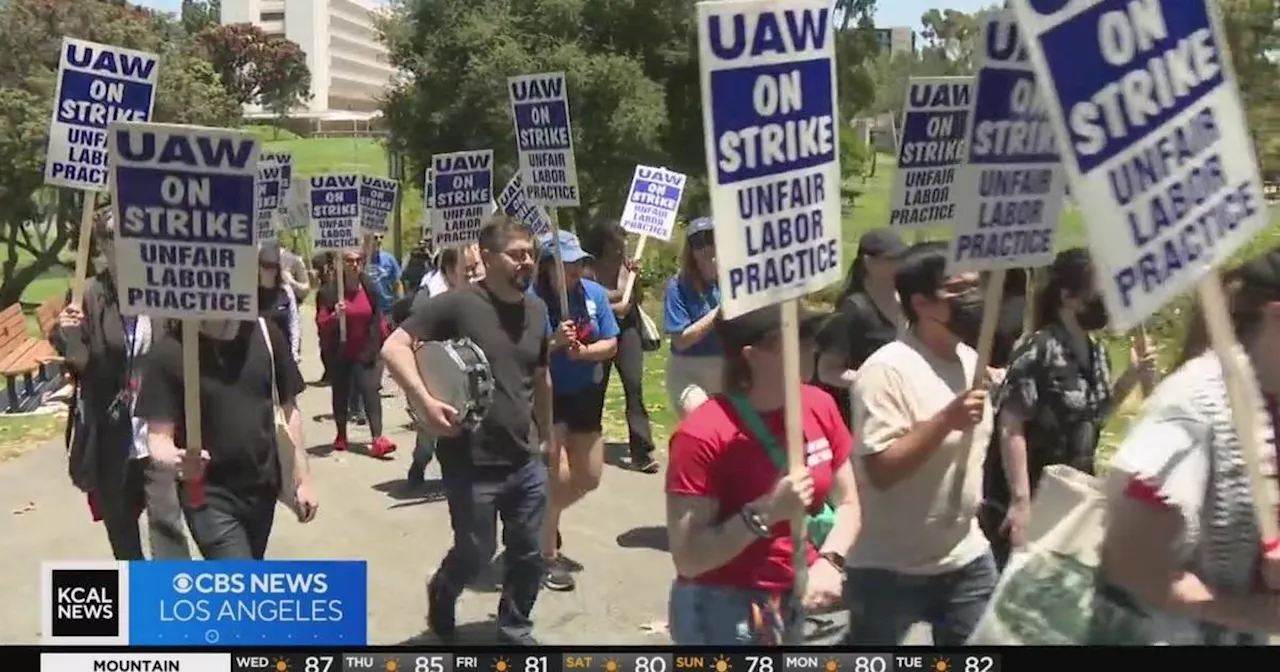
[{"x": 200, "y": 603}]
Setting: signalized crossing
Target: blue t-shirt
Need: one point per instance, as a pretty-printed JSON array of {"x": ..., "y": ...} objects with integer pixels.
[
  {"x": 589, "y": 308},
  {"x": 384, "y": 273},
  {"x": 682, "y": 307}
]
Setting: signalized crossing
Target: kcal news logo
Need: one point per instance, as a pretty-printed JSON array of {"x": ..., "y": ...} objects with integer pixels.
[{"x": 85, "y": 603}]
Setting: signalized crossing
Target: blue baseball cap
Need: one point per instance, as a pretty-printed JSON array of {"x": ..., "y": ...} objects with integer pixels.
[
  {"x": 570, "y": 248},
  {"x": 698, "y": 226}
]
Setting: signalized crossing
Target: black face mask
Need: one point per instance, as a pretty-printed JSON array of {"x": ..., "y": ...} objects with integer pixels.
[
  {"x": 966, "y": 317},
  {"x": 1094, "y": 315}
]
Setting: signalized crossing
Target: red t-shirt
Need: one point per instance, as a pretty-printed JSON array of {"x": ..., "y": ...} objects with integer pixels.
[{"x": 714, "y": 455}]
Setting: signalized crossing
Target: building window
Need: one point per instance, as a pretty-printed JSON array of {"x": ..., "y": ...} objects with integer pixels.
[{"x": 272, "y": 16}]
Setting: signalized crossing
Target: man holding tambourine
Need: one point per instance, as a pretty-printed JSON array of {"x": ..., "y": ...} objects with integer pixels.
[{"x": 473, "y": 364}]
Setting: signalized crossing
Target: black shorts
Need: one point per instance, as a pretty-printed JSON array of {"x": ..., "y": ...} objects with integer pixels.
[{"x": 581, "y": 411}]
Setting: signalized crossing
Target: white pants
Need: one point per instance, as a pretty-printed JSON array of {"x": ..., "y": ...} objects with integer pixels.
[{"x": 692, "y": 380}]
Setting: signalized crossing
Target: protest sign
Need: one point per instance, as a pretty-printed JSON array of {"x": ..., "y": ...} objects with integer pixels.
[
  {"x": 516, "y": 204},
  {"x": 297, "y": 201},
  {"x": 334, "y": 210},
  {"x": 268, "y": 203},
  {"x": 285, "y": 161},
  {"x": 1154, "y": 142},
  {"x": 462, "y": 189},
  {"x": 768, "y": 101},
  {"x": 377, "y": 201},
  {"x": 1012, "y": 185},
  {"x": 97, "y": 84},
  {"x": 930, "y": 152},
  {"x": 544, "y": 138},
  {"x": 1159, "y": 157},
  {"x": 653, "y": 202},
  {"x": 184, "y": 202}
]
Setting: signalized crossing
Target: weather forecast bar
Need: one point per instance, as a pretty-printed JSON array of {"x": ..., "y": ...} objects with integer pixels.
[{"x": 524, "y": 660}]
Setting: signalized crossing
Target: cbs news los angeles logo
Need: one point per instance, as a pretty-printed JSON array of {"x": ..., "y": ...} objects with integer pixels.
[{"x": 84, "y": 603}]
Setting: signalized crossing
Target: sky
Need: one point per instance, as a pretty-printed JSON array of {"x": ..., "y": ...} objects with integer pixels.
[{"x": 889, "y": 13}]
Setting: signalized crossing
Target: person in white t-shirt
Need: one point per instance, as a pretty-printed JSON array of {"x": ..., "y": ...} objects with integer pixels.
[
  {"x": 921, "y": 556},
  {"x": 457, "y": 266}
]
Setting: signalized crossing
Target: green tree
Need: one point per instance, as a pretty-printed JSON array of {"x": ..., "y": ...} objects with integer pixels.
[
  {"x": 257, "y": 68},
  {"x": 31, "y": 33},
  {"x": 200, "y": 15},
  {"x": 634, "y": 90}
]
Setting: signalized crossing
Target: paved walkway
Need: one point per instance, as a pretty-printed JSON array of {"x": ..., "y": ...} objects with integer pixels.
[{"x": 616, "y": 533}]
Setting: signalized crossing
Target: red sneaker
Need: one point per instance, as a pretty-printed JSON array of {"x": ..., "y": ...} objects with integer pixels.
[
  {"x": 340, "y": 443},
  {"x": 382, "y": 447}
]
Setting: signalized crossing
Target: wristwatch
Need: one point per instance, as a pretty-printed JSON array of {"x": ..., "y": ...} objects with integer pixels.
[
  {"x": 835, "y": 559},
  {"x": 755, "y": 522}
]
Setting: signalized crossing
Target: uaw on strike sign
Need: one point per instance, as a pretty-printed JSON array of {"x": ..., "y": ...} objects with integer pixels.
[
  {"x": 1153, "y": 137},
  {"x": 185, "y": 203},
  {"x": 768, "y": 101},
  {"x": 97, "y": 84}
]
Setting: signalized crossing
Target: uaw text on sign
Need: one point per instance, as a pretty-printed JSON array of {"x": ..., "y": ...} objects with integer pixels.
[{"x": 769, "y": 112}]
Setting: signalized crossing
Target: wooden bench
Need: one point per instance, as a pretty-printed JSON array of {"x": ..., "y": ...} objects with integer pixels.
[
  {"x": 47, "y": 314},
  {"x": 22, "y": 357}
]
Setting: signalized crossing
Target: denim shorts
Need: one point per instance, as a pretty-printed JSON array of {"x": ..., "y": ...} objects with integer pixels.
[{"x": 701, "y": 615}]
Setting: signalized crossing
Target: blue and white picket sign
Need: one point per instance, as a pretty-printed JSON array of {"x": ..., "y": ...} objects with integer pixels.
[
  {"x": 931, "y": 152},
  {"x": 269, "y": 203},
  {"x": 285, "y": 161},
  {"x": 769, "y": 112},
  {"x": 515, "y": 202},
  {"x": 462, "y": 186},
  {"x": 653, "y": 202},
  {"x": 184, "y": 205},
  {"x": 334, "y": 210},
  {"x": 377, "y": 202},
  {"x": 1154, "y": 140},
  {"x": 544, "y": 138},
  {"x": 97, "y": 84},
  {"x": 1012, "y": 186}
]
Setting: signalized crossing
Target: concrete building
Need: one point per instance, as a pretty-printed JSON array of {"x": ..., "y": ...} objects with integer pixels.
[
  {"x": 895, "y": 40},
  {"x": 349, "y": 65}
]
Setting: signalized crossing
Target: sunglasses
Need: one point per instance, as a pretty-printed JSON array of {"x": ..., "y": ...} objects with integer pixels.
[{"x": 267, "y": 266}]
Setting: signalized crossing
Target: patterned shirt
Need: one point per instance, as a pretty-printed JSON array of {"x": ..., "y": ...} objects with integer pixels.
[{"x": 1064, "y": 399}]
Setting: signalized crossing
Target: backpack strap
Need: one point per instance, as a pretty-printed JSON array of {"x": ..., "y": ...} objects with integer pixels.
[{"x": 755, "y": 424}]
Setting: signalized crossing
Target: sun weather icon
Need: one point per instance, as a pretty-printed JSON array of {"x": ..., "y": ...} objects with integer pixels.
[
  {"x": 721, "y": 664},
  {"x": 831, "y": 665},
  {"x": 281, "y": 665},
  {"x": 941, "y": 665},
  {"x": 611, "y": 665},
  {"x": 502, "y": 665}
]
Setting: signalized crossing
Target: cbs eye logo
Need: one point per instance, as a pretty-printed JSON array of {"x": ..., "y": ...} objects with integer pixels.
[{"x": 183, "y": 583}]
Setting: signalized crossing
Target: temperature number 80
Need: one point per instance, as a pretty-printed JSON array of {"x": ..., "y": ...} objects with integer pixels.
[{"x": 651, "y": 664}]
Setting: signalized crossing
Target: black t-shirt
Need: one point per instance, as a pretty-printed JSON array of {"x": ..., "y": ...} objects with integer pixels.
[
  {"x": 513, "y": 336},
  {"x": 856, "y": 330},
  {"x": 235, "y": 402}
]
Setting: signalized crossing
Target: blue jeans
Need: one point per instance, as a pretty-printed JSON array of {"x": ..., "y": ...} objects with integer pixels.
[
  {"x": 477, "y": 497},
  {"x": 883, "y": 604},
  {"x": 424, "y": 450},
  {"x": 718, "y": 616}
]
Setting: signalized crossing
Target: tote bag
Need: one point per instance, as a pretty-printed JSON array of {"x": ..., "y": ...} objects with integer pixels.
[
  {"x": 285, "y": 447},
  {"x": 1051, "y": 592}
]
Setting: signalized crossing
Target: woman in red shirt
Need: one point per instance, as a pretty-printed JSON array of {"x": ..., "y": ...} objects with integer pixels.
[
  {"x": 729, "y": 506},
  {"x": 355, "y": 368}
]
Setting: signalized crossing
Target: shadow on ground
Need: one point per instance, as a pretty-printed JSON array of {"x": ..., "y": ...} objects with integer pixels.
[
  {"x": 408, "y": 494},
  {"x": 652, "y": 537}
]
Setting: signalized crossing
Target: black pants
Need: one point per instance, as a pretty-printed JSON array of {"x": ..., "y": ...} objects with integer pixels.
[
  {"x": 125, "y": 488},
  {"x": 477, "y": 497},
  {"x": 232, "y": 525},
  {"x": 630, "y": 365},
  {"x": 356, "y": 378}
]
